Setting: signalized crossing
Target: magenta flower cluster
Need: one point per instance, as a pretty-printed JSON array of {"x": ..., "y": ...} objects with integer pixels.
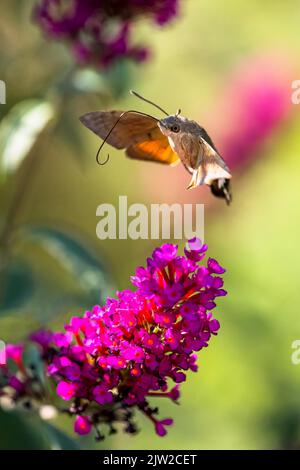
[
  {"x": 99, "y": 31},
  {"x": 118, "y": 357}
]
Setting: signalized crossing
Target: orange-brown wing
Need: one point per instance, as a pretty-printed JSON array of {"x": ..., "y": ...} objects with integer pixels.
[
  {"x": 131, "y": 128},
  {"x": 156, "y": 149}
]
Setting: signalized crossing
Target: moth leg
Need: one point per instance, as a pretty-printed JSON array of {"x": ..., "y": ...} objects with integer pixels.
[
  {"x": 194, "y": 180},
  {"x": 200, "y": 176}
]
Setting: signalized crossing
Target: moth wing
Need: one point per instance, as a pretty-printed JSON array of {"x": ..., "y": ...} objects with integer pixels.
[
  {"x": 131, "y": 128},
  {"x": 207, "y": 166},
  {"x": 157, "y": 149},
  {"x": 212, "y": 166}
]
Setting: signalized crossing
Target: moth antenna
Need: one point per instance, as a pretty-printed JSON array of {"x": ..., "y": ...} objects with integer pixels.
[
  {"x": 113, "y": 127},
  {"x": 178, "y": 112},
  {"x": 150, "y": 102}
]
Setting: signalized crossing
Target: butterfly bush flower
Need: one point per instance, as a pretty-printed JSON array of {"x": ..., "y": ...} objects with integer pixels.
[
  {"x": 99, "y": 31},
  {"x": 138, "y": 347}
]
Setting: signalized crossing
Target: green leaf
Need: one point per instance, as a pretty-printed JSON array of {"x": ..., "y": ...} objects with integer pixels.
[
  {"x": 118, "y": 77},
  {"x": 24, "y": 430},
  {"x": 58, "y": 439},
  {"x": 89, "y": 81},
  {"x": 33, "y": 360},
  {"x": 21, "y": 431},
  {"x": 16, "y": 287},
  {"x": 51, "y": 273},
  {"x": 19, "y": 131},
  {"x": 109, "y": 84},
  {"x": 75, "y": 259},
  {"x": 67, "y": 130}
]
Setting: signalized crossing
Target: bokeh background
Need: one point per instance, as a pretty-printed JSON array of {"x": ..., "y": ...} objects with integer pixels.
[{"x": 230, "y": 67}]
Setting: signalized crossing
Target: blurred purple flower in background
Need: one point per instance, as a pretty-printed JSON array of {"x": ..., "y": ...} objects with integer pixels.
[
  {"x": 257, "y": 102},
  {"x": 115, "y": 358},
  {"x": 99, "y": 31}
]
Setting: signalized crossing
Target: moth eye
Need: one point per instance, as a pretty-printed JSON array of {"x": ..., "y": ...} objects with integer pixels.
[{"x": 175, "y": 128}]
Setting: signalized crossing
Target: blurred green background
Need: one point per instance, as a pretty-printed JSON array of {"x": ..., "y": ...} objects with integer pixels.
[{"x": 246, "y": 394}]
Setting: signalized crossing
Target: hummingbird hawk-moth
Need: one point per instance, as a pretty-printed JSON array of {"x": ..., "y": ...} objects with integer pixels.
[{"x": 168, "y": 140}]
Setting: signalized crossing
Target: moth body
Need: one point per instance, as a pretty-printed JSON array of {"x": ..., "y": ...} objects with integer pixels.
[{"x": 197, "y": 152}]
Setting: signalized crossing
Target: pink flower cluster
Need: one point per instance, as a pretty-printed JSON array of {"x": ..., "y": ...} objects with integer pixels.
[
  {"x": 99, "y": 31},
  {"x": 12, "y": 377},
  {"x": 117, "y": 357}
]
